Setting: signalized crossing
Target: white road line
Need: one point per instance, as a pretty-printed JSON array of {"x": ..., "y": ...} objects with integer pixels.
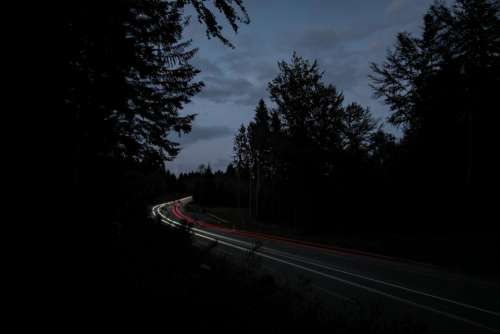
[
  {"x": 393, "y": 285},
  {"x": 303, "y": 260},
  {"x": 373, "y": 290},
  {"x": 360, "y": 286}
]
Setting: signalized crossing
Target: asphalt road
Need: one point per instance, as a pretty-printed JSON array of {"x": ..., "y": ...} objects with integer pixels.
[{"x": 446, "y": 302}]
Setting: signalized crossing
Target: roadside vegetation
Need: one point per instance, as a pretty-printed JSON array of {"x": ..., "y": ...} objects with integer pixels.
[{"x": 165, "y": 279}]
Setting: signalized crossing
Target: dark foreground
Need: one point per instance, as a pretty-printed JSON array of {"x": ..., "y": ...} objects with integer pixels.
[{"x": 444, "y": 301}]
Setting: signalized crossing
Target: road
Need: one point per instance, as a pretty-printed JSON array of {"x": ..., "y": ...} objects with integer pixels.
[{"x": 447, "y": 302}]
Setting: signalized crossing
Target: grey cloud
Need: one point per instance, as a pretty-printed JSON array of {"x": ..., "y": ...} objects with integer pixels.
[
  {"x": 207, "y": 67},
  {"x": 253, "y": 97},
  {"x": 266, "y": 71},
  {"x": 345, "y": 76},
  {"x": 326, "y": 39},
  {"x": 395, "y": 7},
  {"x": 317, "y": 40},
  {"x": 219, "y": 87},
  {"x": 199, "y": 133},
  {"x": 261, "y": 68},
  {"x": 350, "y": 69},
  {"x": 223, "y": 89},
  {"x": 406, "y": 8}
]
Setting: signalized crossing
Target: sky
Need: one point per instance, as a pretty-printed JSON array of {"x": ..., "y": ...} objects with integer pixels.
[{"x": 345, "y": 36}]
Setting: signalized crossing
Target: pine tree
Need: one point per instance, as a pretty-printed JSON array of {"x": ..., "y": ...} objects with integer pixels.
[
  {"x": 252, "y": 165},
  {"x": 441, "y": 87},
  {"x": 477, "y": 46},
  {"x": 357, "y": 129},
  {"x": 294, "y": 91},
  {"x": 261, "y": 150},
  {"x": 128, "y": 75},
  {"x": 241, "y": 160},
  {"x": 310, "y": 113}
]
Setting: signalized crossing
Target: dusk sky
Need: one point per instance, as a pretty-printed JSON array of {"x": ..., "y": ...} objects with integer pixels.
[{"x": 345, "y": 36}]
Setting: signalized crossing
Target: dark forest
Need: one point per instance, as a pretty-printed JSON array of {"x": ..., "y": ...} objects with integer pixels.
[{"x": 309, "y": 166}]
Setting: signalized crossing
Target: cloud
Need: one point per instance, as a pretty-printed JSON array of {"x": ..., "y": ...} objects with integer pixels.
[
  {"x": 238, "y": 90},
  {"x": 396, "y": 6},
  {"x": 222, "y": 89},
  {"x": 207, "y": 67},
  {"x": 327, "y": 38},
  {"x": 259, "y": 68},
  {"x": 202, "y": 133},
  {"x": 216, "y": 151},
  {"x": 406, "y": 8}
]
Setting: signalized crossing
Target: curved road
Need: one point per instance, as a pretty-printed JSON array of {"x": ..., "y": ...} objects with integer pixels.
[{"x": 446, "y": 302}]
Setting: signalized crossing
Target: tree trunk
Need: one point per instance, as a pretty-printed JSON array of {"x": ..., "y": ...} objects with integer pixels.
[
  {"x": 257, "y": 193},
  {"x": 250, "y": 195},
  {"x": 468, "y": 176},
  {"x": 239, "y": 194}
]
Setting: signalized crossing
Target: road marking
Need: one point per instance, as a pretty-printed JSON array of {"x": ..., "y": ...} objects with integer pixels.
[
  {"x": 301, "y": 259},
  {"x": 360, "y": 286},
  {"x": 298, "y": 258}
]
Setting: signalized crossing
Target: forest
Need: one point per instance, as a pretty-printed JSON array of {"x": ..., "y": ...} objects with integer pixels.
[{"x": 422, "y": 182}]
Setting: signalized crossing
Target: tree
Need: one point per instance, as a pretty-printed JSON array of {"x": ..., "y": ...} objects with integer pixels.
[
  {"x": 128, "y": 75},
  {"x": 311, "y": 114},
  {"x": 241, "y": 159},
  {"x": 382, "y": 149},
  {"x": 234, "y": 11},
  {"x": 259, "y": 139},
  {"x": 294, "y": 91},
  {"x": 312, "y": 122},
  {"x": 357, "y": 129},
  {"x": 440, "y": 88},
  {"x": 309, "y": 151},
  {"x": 476, "y": 40},
  {"x": 277, "y": 166}
]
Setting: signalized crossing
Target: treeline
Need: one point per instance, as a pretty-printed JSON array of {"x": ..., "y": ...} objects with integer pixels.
[
  {"x": 310, "y": 147},
  {"x": 309, "y": 150},
  {"x": 309, "y": 159}
]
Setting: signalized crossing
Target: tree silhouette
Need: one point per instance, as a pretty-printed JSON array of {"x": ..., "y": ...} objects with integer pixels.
[
  {"x": 128, "y": 75},
  {"x": 358, "y": 127},
  {"x": 241, "y": 160},
  {"x": 440, "y": 88},
  {"x": 306, "y": 145},
  {"x": 234, "y": 11},
  {"x": 259, "y": 131}
]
